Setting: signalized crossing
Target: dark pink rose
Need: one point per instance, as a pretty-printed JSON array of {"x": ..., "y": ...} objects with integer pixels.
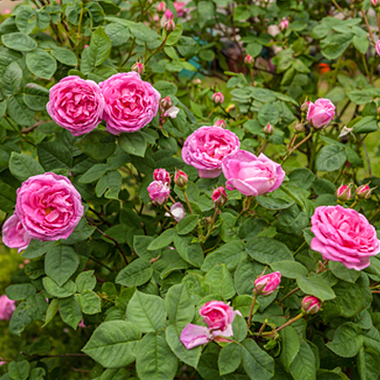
[
  {"x": 252, "y": 175},
  {"x": 344, "y": 235},
  {"x": 14, "y": 234},
  {"x": 159, "y": 192},
  {"x": 49, "y": 206},
  {"x": 76, "y": 105},
  {"x": 207, "y": 147},
  {"x": 7, "y": 308},
  {"x": 130, "y": 103},
  {"x": 320, "y": 113},
  {"x": 219, "y": 196},
  {"x": 217, "y": 314},
  {"x": 162, "y": 175},
  {"x": 266, "y": 285},
  {"x": 179, "y": 7}
]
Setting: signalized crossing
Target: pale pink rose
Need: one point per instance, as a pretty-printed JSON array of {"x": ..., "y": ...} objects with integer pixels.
[
  {"x": 284, "y": 25},
  {"x": 266, "y": 285},
  {"x": 252, "y": 175},
  {"x": 85, "y": 46},
  {"x": 14, "y": 234},
  {"x": 159, "y": 192},
  {"x": 206, "y": 148},
  {"x": 219, "y": 196},
  {"x": 49, "y": 206},
  {"x": 130, "y": 103},
  {"x": 311, "y": 304},
  {"x": 162, "y": 175},
  {"x": 344, "y": 235},
  {"x": 172, "y": 112},
  {"x": 218, "y": 98},
  {"x": 161, "y": 7},
  {"x": 179, "y": 7},
  {"x": 378, "y": 47},
  {"x": 193, "y": 336},
  {"x": 7, "y": 308},
  {"x": 177, "y": 211},
  {"x": 320, "y": 113},
  {"x": 76, "y": 105},
  {"x": 249, "y": 60},
  {"x": 218, "y": 315},
  {"x": 7, "y": 11},
  {"x": 2, "y": 362}
]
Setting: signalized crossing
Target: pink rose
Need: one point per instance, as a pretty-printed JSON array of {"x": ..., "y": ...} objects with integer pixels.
[
  {"x": 14, "y": 234},
  {"x": 311, "y": 305},
  {"x": 284, "y": 25},
  {"x": 177, "y": 211},
  {"x": 179, "y": 7},
  {"x": 7, "y": 11},
  {"x": 219, "y": 196},
  {"x": 130, "y": 103},
  {"x": 193, "y": 336},
  {"x": 343, "y": 193},
  {"x": 378, "y": 47},
  {"x": 266, "y": 285},
  {"x": 7, "y": 308},
  {"x": 207, "y": 147},
  {"x": 344, "y": 235},
  {"x": 218, "y": 98},
  {"x": 49, "y": 206},
  {"x": 161, "y": 7},
  {"x": 162, "y": 175},
  {"x": 252, "y": 175},
  {"x": 138, "y": 67},
  {"x": 159, "y": 192},
  {"x": 76, "y": 105},
  {"x": 218, "y": 315},
  {"x": 320, "y": 113}
]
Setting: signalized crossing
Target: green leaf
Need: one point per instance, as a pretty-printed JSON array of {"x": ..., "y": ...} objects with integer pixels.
[
  {"x": 303, "y": 366},
  {"x": 85, "y": 281},
  {"x": 98, "y": 144},
  {"x": 22, "y": 166},
  {"x": 100, "y": 46},
  {"x": 20, "y": 319},
  {"x": 81, "y": 232},
  {"x": 11, "y": 79},
  {"x": 65, "y": 56},
  {"x": 110, "y": 184},
  {"x": 206, "y": 12},
  {"x": 19, "y": 112},
  {"x": 36, "y": 97},
  {"x": 118, "y": 34},
  {"x": 163, "y": 240},
  {"x": 292, "y": 221},
  {"x": 51, "y": 311},
  {"x": 53, "y": 289},
  {"x": 94, "y": 173},
  {"x": 19, "y": 42},
  {"x": 113, "y": 344},
  {"x": 137, "y": 273},
  {"x": 37, "y": 248},
  {"x": 20, "y": 292},
  {"x": 61, "y": 262},
  {"x": 26, "y": 19},
  {"x": 187, "y": 224},
  {"x": 192, "y": 253},
  {"x": 272, "y": 203},
  {"x": 368, "y": 363},
  {"x": 154, "y": 359},
  {"x": 289, "y": 269},
  {"x": 239, "y": 327},
  {"x": 89, "y": 302},
  {"x": 347, "y": 340},
  {"x": 256, "y": 362},
  {"x": 361, "y": 44},
  {"x": 290, "y": 345},
  {"x": 54, "y": 155},
  {"x": 70, "y": 311},
  {"x": 268, "y": 114},
  {"x": 367, "y": 124},
  {"x": 229, "y": 358},
  {"x": 221, "y": 281},
  {"x": 41, "y": 63},
  {"x": 147, "y": 311},
  {"x": 19, "y": 370},
  {"x": 330, "y": 158},
  {"x": 343, "y": 273},
  {"x": 315, "y": 286},
  {"x": 133, "y": 143},
  {"x": 37, "y": 374},
  {"x": 268, "y": 251}
]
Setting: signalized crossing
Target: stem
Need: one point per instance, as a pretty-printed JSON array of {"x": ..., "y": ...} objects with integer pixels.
[
  {"x": 378, "y": 21},
  {"x": 158, "y": 49},
  {"x": 187, "y": 202},
  {"x": 80, "y": 24},
  {"x": 365, "y": 65},
  {"x": 252, "y": 78},
  {"x": 169, "y": 212},
  {"x": 100, "y": 263},
  {"x": 262, "y": 327},
  {"x": 289, "y": 294},
  {"x": 292, "y": 149},
  {"x": 368, "y": 27},
  {"x": 366, "y": 156},
  {"x": 337, "y": 6},
  {"x": 299, "y": 248},
  {"x": 264, "y": 146},
  {"x": 375, "y": 291},
  {"x": 251, "y": 310},
  {"x": 299, "y": 316},
  {"x": 53, "y": 356},
  {"x": 354, "y": 204},
  {"x": 129, "y": 53},
  {"x": 212, "y": 222}
]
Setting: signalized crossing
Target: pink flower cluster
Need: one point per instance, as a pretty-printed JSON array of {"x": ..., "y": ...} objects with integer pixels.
[
  {"x": 48, "y": 207},
  {"x": 124, "y": 101},
  {"x": 218, "y": 317}
]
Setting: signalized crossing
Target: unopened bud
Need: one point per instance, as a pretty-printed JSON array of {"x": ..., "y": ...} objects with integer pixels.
[
  {"x": 161, "y": 7},
  {"x": 375, "y": 4},
  {"x": 220, "y": 123},
  {"x": 219, "y": 196},
  {"x": 138, "y": 67},
  {"x": 218, "y": 98},
  {"x": 197, "y": 82},
  {"x": 166, "y": 103},
  {"x": 343, "y": 193},
  {"x": 363, "y": 192},
  {"x": 311, "y": 305},
  {"x": 249, "y": 60},
  {"x": 300, "y": 128},
  {"x": 305, "y": 106},
  {"x": 181, "y": 179},
  {"x": 169, "y": 25},
  {"x": 268, "y": 129},
  {"x": 266, "y": 285},
  {"x": 284, "y": 25}
]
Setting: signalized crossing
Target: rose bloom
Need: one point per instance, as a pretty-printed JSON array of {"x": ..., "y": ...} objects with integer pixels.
[
  {"x": 177, "y": 211},
  {"x": 252, "y": 175},
  {"x": 14, "y": 234},
  {"x": 130, "y": 103},
  {"x": 7, "y": 308},
  {"x": 179, "y": 7},
  {"x": 320, "y": 113},
  {"x": 207, "y": 147},
  {"x": 378, "y": 47},
  {"x": 159, "y": 192},
  {"x": 49, "y": 207},
  {"x": 218, "y": 315},
  {"x": 194, "y": 335},
  {"x": 162, "y": 175},
  {"x": 344, "y": 235},
  {"x": 266, "y": 285},
  {"x": 76, "y": 105},
  {"x": 284, "y": 25}
]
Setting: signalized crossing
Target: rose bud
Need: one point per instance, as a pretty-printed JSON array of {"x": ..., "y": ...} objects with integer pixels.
[
  {"x": 218, "y": 98},
  {"x": 268, "y": 129},
  {"x": 161, "y": 7},
  {"x": 162, "y": 175},
  {"x": 375, "y": 4},
  {"x": 266, "y": 285},
  {"x": 300, "y": 127},
  {"x": 165, "y": 103},
  {"x": 363, "y": 192},
  {"x": 343, "y": 193},
  {"x": 158, "y": 192},
  {"x": 311, "y": 305},
  {"x": 320, "y": 113},
  {"x": 219, "y": 196},
  {"x": 305, "y": 106},
  {"x": 138, "y": 67},
  {"x": 197, "y": 82},
  {"x": 181, "y": 179},
  {"x": 169, "y": 25},
  {"x": 284, "y": 25},
  {"x": 220, "y": 123},
  {"x": 249, "y": 60}
]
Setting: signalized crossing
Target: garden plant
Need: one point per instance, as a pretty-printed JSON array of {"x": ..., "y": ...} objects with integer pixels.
[{"x": 190, "y": 190}]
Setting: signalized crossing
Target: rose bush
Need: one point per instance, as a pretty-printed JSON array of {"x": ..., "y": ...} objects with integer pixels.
[{"x": 189, "y": 190}]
